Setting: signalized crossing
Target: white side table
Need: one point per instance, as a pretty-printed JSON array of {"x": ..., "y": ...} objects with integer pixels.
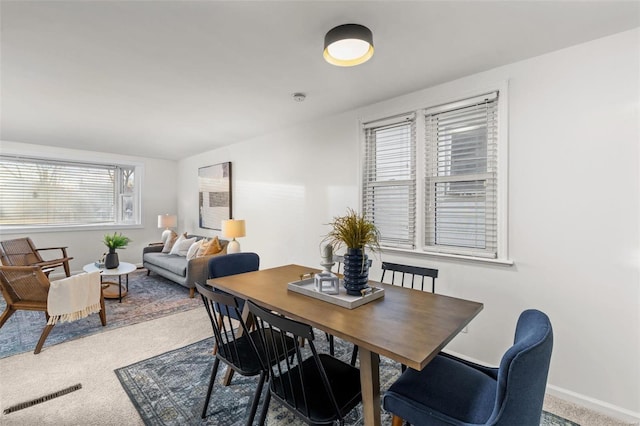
[{"x": 109, "y": 288}]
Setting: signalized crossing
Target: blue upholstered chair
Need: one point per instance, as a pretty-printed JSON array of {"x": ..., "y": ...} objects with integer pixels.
[
  {"x": 451, "y": 391},
  {"x": 232, "y": 264}
]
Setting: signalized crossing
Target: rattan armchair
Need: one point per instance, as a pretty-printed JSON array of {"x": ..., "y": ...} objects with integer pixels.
[
  {"x": 27, "y": 288},
  {"x": 22, "y": 252}
]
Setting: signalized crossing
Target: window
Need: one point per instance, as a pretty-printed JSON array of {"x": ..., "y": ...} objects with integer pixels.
[
  {"x": 389, "y": 193},
  {"x": 460, "y": 178},
  {"x": 453, "y": 207},
  {"x": 49, "y": 193}
]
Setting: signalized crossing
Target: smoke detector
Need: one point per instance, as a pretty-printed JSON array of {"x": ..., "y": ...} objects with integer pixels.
[{"x": 299, "y": 97}]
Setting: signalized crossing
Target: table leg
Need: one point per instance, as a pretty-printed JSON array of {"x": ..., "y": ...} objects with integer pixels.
[
  {"x": 370, "y": 383},
  {"x": 119, "y": 288}
]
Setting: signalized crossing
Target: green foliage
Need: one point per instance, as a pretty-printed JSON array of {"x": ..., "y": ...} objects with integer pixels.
[
  {"x": 116, "y": 241},
  {"x": 353, "y": 231}
]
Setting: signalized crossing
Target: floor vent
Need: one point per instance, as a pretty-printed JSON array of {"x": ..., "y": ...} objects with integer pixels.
[{"x": 45, "y": 398}]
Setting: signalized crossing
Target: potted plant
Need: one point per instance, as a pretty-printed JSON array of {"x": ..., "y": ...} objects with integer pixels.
[
  {"x": 356, "y": 233},
  {"x": 114, "y": 242}
]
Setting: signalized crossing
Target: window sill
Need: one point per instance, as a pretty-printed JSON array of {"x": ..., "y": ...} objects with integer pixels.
[
  {"x": 66, "y": 228},
  {"x": 503, "y": 262}
]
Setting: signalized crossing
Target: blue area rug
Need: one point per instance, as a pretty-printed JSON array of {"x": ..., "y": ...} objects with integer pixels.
[
  {"x": 169, "y": 389},
  {"x": 148, "y": 298}
]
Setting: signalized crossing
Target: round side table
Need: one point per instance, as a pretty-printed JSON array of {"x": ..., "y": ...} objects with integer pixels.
[{"x": 110, "y": 289}]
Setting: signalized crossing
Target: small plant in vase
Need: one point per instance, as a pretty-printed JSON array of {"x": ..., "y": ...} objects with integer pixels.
[
  {"x": 114, "y": 242},
  {"x": 356, "y": 233}
]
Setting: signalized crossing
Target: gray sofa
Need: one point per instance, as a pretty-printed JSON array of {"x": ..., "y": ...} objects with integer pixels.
[{"x": 177, "y": 268}]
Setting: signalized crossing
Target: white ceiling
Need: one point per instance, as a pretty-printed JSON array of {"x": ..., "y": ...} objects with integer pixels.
[{"x": 169, "y": 79}]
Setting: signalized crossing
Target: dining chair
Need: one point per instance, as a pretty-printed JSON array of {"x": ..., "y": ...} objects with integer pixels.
[
  {"x": 406, "y": 275},
  {"x": 236, "y": 349},
  {"x": 317, "y": 388},
  {"x": 23, "y": 252},
  {"x": 232, "y": 264},
  {"x": 27, "y": 288},
  {"x": 452, "y": 391}
]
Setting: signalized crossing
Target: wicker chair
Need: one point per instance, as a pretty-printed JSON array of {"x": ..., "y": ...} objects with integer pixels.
[
  {"x": 27, "y": 288},
  {"x": 22, "y": 252}
]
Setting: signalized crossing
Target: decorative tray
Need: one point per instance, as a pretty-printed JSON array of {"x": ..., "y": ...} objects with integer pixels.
[{"x": 307, "y": 287}]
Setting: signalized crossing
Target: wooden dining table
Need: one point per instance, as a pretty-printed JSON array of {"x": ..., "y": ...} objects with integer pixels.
[{"x": 406, "y": 325}]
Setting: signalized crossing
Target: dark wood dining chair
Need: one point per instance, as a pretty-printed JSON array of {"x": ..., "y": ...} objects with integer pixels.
[
  {"x": 234, "y": 347},
  {"x": 318, "y": 388},
  {"x": 22, "y": 252},
  {"x": 27, "y": 288}
]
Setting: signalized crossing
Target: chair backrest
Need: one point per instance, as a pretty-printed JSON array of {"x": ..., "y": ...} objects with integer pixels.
[
  {"x": 24, "y": 284},
  {"x": 300, "y": 384},
  {"x": 234, "y": 263},
  {"x": 231, "y": 348},
  {"x": 410, "y": 272},
  {"x": 522, "y": 375},
  {"x": 19, "y": 252}
]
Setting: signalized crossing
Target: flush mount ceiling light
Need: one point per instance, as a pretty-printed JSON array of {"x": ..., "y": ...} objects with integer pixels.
[{"x": 348, "y": 45}]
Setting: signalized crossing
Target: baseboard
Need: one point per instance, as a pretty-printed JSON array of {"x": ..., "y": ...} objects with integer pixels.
[
  {"x": 594, "y": 404},
  {"x": 587, "y": 402}
]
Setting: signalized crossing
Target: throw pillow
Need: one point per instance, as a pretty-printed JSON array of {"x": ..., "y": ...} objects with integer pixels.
[
  {"x": 168, "y": 245},
  {"x": 210, "y": 247},
  {"x": 181, "y": 246},
  {"x": 193, "y": 250}
]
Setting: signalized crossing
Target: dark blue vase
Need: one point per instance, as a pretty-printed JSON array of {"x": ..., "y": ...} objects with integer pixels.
[
  {"x": 356, "y": 271},
  {"x": 111, "y": 261}
]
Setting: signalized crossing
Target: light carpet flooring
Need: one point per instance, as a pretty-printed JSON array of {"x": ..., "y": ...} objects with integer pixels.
[{"x": 92, "y": 360}]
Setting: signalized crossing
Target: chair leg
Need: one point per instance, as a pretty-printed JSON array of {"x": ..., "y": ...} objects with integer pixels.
[
  {"x": 148, "y": 272},
  {"x": 192, "y": 293},
  {"x": 256, "y": 398},
  {"x": 354, "y": 355},
  {"x": 103, "y": 311},
  {"x": 212, "y": 380},
  {"x": 43, "y": 337},
  {"x": 67, "y": 270},
  {"x": 6, "y": 314},
  {"x": 331, "y": 346},
  {"x": 265, "y": 408},
  {"x": 397, "y": 421}
]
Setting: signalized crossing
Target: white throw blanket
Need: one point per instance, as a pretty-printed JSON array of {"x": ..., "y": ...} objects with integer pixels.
[{"x": 74, "y": 297}]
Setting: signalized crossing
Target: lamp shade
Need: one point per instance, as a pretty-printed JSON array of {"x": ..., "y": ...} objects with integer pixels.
[
  {"x": 233, "y": 228},
  {"x": 348, "y": 45},
  {"x": 167, "y": 221}
]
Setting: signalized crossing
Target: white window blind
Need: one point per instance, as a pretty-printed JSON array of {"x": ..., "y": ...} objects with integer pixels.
[
  {"x": 461, "y": 177},
  {"x": 389, "y": 181},
  {"x": 38, "y": 192}
]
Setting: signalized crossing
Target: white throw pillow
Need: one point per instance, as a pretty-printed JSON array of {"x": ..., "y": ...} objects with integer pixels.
[
  {"x": 181, "y": 246},
  {"x": 193, "y": 250}
]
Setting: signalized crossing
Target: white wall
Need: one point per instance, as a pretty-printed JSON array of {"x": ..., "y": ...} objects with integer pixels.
[
  {"x": 159, "y": 196},
  {"x": 573, "y": 211}
]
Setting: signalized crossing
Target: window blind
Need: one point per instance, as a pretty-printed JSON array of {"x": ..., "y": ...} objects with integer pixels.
[
  {"x": 54, "y": 193},
  {"x": 389, "y": 181},
  {"x": 461, "y": 177}
]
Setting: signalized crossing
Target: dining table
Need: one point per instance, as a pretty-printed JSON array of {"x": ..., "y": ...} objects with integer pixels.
[{"x": 406, "y": 325}]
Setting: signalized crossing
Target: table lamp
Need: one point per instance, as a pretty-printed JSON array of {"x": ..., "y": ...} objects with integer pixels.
[
  {"x": 233, "y": 229},
  {"x": 167, "y": 221}
]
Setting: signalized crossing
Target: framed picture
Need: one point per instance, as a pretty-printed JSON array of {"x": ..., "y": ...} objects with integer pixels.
[{"x": 214, "y": 190}]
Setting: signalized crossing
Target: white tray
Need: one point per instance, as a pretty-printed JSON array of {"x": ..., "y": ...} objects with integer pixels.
[{"x": 343, "y": 299}]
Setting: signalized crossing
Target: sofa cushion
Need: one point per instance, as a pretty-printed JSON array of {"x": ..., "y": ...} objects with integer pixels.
[
  {"x": 172, "y": 263},
  {"x": 168, "y": 245},
  {"x": 211, "y": 247},
  {"x": 193, "y": 250},
  {"x": 181, "y": 246}
]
